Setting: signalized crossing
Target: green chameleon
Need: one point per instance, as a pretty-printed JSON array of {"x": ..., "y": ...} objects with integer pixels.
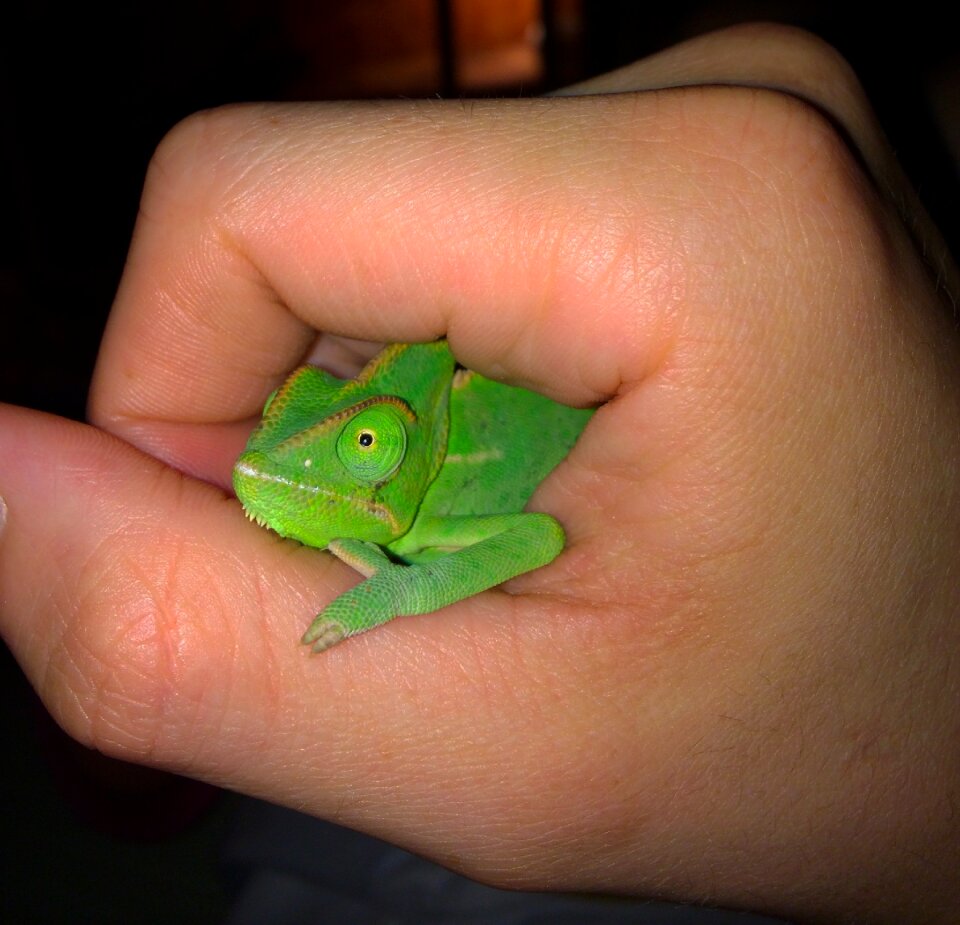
[{"x": 415, "y": 474}]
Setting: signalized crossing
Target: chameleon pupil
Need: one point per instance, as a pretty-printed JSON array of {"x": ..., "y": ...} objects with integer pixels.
[{"x": 365, "y": 438}]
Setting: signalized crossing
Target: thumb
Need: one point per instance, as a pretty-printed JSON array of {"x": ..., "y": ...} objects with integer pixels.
[{"x": 128, "y": 589}]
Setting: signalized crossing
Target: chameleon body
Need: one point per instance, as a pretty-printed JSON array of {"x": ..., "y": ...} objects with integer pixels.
[{"x": 415, "y": 473}]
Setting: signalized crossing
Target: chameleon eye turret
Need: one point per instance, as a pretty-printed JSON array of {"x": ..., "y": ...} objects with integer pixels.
[{"x": 372, "y": 445}]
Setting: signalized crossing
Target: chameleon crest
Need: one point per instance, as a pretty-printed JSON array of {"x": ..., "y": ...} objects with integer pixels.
[{"x": 414, "y": 473}]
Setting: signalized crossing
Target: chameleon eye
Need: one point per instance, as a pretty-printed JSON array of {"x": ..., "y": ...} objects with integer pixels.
[{"x": 372, "y": 444}]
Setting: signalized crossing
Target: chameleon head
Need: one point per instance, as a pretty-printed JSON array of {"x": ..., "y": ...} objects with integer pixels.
[
  {"x": 331, "y": 479},
  {"x": 336, "y": 458}
]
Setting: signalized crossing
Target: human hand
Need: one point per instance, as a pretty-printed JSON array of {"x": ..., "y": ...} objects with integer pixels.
[{"x": 738, "y": 683}]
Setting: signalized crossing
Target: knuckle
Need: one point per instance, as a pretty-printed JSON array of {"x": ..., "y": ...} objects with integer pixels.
[
  {"x": 773, "y": 166},
  {"x": 810, "y": 66},
  {"x": 197, "y": 162}
]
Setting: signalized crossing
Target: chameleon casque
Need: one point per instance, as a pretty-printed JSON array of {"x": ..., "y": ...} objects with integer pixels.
[{"x": 415, "y": 474}]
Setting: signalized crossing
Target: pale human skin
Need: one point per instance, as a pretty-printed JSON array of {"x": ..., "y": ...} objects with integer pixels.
[{"x": 739, "y": 684}]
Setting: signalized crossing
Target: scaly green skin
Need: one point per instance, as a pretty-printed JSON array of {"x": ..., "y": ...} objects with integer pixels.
[{"x": 415, "y": 473}]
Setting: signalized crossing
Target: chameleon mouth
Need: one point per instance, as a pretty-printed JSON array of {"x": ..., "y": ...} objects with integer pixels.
[
  {"x": 249, "y": 478},
  {"x": 255, "y": 487}
]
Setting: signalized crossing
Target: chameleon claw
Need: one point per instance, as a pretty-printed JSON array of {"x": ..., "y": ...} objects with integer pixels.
[{"x": 323, "y": 634}]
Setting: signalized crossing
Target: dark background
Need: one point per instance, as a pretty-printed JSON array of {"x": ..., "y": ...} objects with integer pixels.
[{"x": 88, "y": 94}]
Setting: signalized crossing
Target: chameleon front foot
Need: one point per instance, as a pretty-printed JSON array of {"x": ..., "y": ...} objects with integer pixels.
[{"x": 323, "y": 633}]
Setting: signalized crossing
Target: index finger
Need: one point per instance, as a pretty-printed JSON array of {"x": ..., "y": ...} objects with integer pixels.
[{"x": 402, "y": 222}]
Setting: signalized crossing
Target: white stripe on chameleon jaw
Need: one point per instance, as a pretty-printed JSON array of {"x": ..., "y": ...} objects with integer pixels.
[{"x": 253, "y": 473}]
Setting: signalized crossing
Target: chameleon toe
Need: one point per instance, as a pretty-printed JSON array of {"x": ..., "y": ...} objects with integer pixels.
[{"x": 323, "y": 634}]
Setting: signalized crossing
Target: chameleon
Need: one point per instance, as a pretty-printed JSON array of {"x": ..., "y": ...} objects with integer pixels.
[{"x": 415, "y": 473}]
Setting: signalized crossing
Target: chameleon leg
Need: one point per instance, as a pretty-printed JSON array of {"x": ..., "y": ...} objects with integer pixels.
[
  {"x": 486, "y": 551},
  {"x": 369, "y": 560}
]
